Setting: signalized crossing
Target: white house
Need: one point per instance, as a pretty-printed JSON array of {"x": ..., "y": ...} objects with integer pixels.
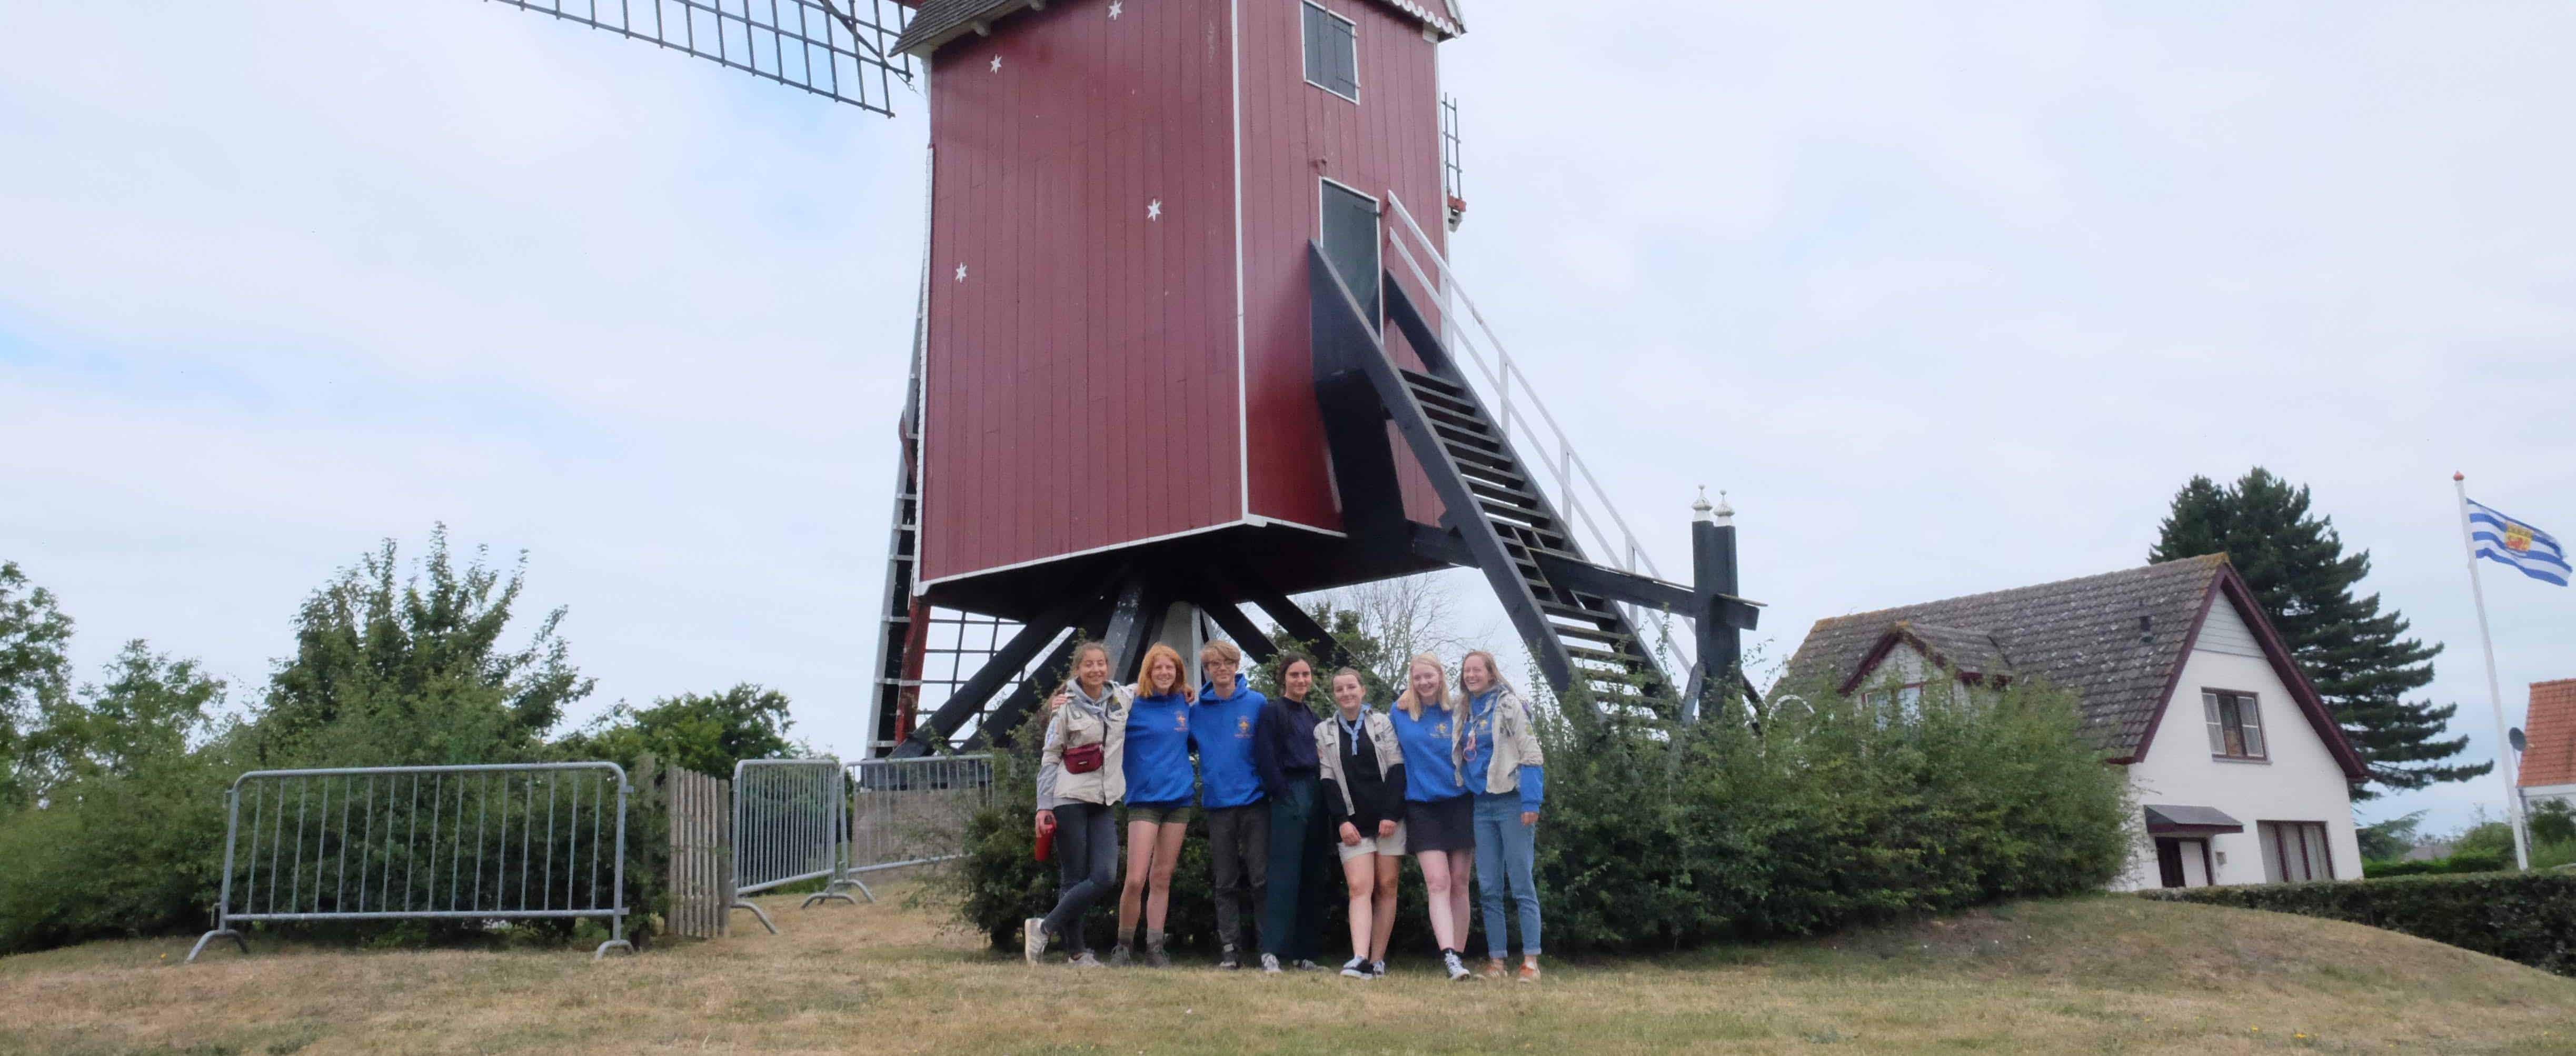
[
  {"x": 2549, "y": 760},
  {"x": 2241, "y": 775}
]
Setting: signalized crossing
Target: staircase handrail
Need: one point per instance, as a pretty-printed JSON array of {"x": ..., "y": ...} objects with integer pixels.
[{"x": 1566, "y": 463}]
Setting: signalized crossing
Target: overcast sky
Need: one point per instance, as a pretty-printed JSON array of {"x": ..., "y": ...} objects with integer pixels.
[{"x": 1947, "y": 301}]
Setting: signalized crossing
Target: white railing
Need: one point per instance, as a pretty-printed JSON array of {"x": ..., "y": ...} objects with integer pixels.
[{"x": 1552, "y": 448}]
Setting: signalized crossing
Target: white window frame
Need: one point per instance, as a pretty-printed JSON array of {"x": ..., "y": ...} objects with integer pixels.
[
  {"x": 1306, "y": 62},
  {"x": 2249, "y": 726}
]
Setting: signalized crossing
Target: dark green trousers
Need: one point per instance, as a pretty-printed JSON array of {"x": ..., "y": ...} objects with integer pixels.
[{"x": 1301, "y": 867}]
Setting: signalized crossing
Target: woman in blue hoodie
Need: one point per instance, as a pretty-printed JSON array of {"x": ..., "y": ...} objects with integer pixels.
[
  {"x": 1222, "y": 729},
  {"x": 1503, "y": 766},
  {"x": 1159, "y": 779},
  {"x": 1439, "y": 815}
]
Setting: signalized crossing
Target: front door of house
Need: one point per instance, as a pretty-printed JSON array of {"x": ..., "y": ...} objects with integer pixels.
[{"x": 2169, "y": 862}]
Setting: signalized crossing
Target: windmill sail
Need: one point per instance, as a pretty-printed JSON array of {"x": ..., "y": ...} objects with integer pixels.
[{"x": 833, "y": 48}]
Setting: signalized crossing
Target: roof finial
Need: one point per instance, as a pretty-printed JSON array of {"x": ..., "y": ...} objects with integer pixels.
[
  {"x": 1701, "y": 508},
  {"x": 1725, "y": 513}
]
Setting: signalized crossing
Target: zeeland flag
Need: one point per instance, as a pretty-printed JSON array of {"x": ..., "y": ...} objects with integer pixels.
[{"x": 2504, "y": 540}]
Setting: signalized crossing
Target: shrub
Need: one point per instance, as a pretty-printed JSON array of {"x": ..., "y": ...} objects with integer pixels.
[
  {"x": 2525, "y": 917},
  {"x": 2482, "y": 861},
  {"x": 1659, "y": 835}
]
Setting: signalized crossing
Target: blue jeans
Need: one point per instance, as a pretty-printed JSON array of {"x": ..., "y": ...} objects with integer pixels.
[{"x": 1506, "y": 853}]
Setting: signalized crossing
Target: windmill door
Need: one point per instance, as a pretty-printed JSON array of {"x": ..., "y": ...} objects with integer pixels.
[{"x": 1350, "y": 227}]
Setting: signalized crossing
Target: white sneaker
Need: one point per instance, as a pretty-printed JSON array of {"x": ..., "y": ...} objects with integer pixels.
[
  {"x": 1084, "y": 960},
  {"x": 1033, "y": 938},
  {"x": 1269, "y": 964},
  {"x": 1305, "y": 965},
  {"x": 1377, "y": 969},
  {"x": 1458, "y": 972},
  {"x": 1358, "y": 968}
]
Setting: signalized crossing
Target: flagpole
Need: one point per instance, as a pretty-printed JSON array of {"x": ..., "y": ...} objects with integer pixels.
[{"x": 2495, "y": 693}]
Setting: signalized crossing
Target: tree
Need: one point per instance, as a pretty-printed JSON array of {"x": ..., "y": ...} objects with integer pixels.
[
  {"x": 1383, "y": 624},
  {"x": 414, "y": 673},
  {"x": 2389, "y": 839},
  {"x": 705, "y": 732},
  {"x": 149, "y": 710},
  {"x": 2360, "y": 659},
  {"x": 33, "y": 671}
]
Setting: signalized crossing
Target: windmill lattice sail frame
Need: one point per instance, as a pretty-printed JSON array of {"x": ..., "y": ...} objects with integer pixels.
[{"x": 838, "y": 49}]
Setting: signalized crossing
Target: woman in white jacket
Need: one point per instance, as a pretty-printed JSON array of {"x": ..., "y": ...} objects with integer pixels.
[{"x": 1081, "y": 778}]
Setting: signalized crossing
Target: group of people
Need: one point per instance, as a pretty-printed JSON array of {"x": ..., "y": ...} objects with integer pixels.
[{"x": 1454, "y": 779}]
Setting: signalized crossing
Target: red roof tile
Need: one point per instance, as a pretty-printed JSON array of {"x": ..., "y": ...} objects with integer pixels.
[{"x": 2550, "y": 728}]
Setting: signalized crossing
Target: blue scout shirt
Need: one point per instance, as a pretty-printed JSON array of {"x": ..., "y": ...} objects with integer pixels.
[
  {"x": 1430, "y": 772},
  {"x": 1222, "y": 729},
  {"x": 1158, "y": 750}
]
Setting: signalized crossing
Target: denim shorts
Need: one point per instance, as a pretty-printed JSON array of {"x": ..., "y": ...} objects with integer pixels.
[{"x": 1173, "y": 812}]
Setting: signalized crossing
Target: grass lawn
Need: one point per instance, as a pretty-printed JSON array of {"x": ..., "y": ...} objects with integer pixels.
[{"x": 2104, "y": 974}]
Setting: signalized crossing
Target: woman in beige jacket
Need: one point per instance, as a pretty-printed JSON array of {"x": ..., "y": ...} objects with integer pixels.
[{"x": 1081, "y": 808}]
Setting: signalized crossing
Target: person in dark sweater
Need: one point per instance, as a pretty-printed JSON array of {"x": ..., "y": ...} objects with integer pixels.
[
  {"x": 1283, "y": 748},
  {"x": 1362, "y": 788}
]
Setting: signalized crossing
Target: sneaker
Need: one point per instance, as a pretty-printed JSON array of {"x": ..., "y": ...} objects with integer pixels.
[
  {"x": 1305, "y": 965},
  {"x": 1033, "y": 938},
  {"x": 1229, "y": 960},
  {"x": 1377, "y": 969},
  {"x": 1154, "y": 955},
  {"x": 1357, "y": 968},
  {"x": 1529, "y": 971},
  {"x": 1269, "y": 964},
  {"x": 1085, "y": 960},
  {"x": 1458, "y": 972},
  {"x": 1118, "y": 956},
  {"x": 1494, "y": 968}
]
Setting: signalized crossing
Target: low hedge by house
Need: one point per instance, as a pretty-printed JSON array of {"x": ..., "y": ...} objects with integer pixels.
[
  {"x": 2525, "y": 917},
  {"x": 2462, "y": 862}
]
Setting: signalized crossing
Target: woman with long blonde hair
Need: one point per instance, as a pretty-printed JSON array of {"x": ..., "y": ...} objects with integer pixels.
[
  {"x": 1439, "y": 814},
  {"x": 1503, "y": 767},
  {"x": 1362, "y": 770},
  {"x": 1159, "y": 782}
]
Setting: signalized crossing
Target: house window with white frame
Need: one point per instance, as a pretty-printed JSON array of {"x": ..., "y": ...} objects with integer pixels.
[
  {"x": 2235, "y": 724},
  {"x": 2295, "y": 851},
  {"x": 1888, "y": 705},
  {"x": 1332, "y": 52}
]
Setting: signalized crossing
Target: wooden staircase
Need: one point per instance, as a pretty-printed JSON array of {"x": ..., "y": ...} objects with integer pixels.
[{"x": 1496, "y": 516}]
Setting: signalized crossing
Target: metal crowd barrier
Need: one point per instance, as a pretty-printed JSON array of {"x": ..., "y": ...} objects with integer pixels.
[
  {"x": 787, "y": 829},
  {"x": 913, "y": 811},
  {"x": 500, "y": 842}
]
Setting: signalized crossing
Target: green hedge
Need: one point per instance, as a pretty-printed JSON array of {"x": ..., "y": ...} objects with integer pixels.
[
  {"x": 2525, "y": 917},
  {"x": 2463, "y": 862},
  {"x": 1659, "y": 835}
]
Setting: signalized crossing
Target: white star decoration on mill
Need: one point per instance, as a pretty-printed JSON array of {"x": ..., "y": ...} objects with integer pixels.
[{"x": 1154, "y": 209}]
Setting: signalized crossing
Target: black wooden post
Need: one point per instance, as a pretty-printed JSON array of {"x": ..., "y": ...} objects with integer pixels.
[{"x": 1713, "y": 582}]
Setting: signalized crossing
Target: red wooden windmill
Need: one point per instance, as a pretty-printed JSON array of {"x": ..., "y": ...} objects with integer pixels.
[{"x": 1183, "y": 345}]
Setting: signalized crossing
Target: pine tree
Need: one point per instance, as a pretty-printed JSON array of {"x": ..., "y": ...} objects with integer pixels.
[{"x": 2362, "y": 663}]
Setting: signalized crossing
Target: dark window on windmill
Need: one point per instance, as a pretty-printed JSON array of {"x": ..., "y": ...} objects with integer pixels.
[
  {"x": 1332, "y": 53},
  {"x": 1350, "y": 242}
]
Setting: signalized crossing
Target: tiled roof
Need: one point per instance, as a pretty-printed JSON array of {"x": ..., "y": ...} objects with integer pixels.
[
  {"x": 1966, "y": 650},
  {"x": 2084, "y": 634},
  {"x": 2550, "y": 735},
  {"x": 936, "y": 22}
]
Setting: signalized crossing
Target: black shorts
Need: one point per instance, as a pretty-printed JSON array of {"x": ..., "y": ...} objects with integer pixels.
[{"x": 1440, "y": 825}]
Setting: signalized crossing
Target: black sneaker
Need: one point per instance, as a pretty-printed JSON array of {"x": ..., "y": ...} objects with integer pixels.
[
  {"x": 1229, "y": 960},
  {"x": 1357, "y": 968}
]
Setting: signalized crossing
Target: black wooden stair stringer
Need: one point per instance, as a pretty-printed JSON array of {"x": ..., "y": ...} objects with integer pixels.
[{"x": 1508, "y": 528}]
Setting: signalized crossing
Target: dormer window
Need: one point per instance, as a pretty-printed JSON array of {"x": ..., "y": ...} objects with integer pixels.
[
  {"x": 2235, "y": 724},
  {"x": 1332, "y": 52}
]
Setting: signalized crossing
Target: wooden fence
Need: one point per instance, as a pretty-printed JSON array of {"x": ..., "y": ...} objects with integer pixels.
[{"x": 701, "y": 891}]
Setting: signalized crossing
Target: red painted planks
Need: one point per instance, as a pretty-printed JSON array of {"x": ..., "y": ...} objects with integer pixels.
[
  {"x": 1081, "y": 380},
  {"x": 1295, "y": 135}
]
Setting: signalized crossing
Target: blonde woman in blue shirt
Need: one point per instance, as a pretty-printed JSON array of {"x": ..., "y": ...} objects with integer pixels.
[{"x": 1439, "y": 814}]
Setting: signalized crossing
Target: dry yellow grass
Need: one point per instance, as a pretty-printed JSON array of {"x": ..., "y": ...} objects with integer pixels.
[{"x": 2088, "y": 975}]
